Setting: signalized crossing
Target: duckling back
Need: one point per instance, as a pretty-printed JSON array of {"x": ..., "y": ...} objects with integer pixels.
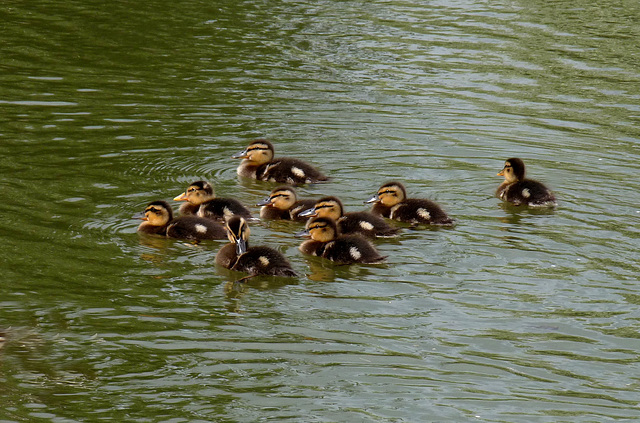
[
  {"x": 528, "y": 191},
  {"x": 366, "y": 224},
  {"x": 195, "y": 228},
  {"x": 290, "y": 171},
  {"x": 263, "y": 260},
  {"x": 223, "y": 208},
  {"x": 349, "y": 249},
  {"x": 420, "y": 211}
]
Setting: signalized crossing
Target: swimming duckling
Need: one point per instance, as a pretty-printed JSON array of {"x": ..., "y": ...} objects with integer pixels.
[
  {"x": 283, "y": 203},
  {"x": 363, "y": 222},
  {"x": 327, "y": 242},
  {"x": 255, "y": 260},
  {"x": 200, "y": 200},
  {"x": 518, "y": 190},
  {"x": 158, "y": 220},
  {"x": 391, "y": 201},
  {"x": 258, "y": 163}
]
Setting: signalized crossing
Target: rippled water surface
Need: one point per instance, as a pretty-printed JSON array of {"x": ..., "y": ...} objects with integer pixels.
[{"x": 513, "y": 315}]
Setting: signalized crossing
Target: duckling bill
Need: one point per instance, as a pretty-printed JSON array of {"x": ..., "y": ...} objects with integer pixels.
[
  {"x": 517, "y": 189},
  {"x": 261, "y": 260},
  {"x": 158, "y": 220},
  {"x": 258, "y": 162}
]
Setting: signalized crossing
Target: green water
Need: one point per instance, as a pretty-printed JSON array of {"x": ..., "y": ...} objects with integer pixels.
[{"x": 514, "y": 315}]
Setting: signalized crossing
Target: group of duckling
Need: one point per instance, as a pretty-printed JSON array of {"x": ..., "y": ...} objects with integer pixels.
[{"x": 333, "y": 234}]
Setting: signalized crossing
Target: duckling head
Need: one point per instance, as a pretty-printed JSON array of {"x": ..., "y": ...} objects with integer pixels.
[
  {"x": 389, "y": 194},
  {"x": 238, "y": 233},
  {"x": 330, "y": 207},
  {"x": 257, "y": 153},
  {"x": 197, "y": 193},
  {"x": 513, "y": 170},
  {"x": 322, "y": 229},
  {"x": 282, "y": 198},
  {"x": 157, "y": 213}
]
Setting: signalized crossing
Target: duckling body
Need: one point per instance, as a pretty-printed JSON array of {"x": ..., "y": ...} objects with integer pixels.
[
  {"x": 363, "y": 222},
  {"x": 342, "y": 249},
  {"x": 158, "y": 220},
  {"x": 259, "y": 260},
  {"x": 518, "y": 190},
  {"x": 391, "y": 201},
  {"x": 283, "y": 204},
  {"x": 201, "y": 201},
  {"x": 258, "y": 162}
]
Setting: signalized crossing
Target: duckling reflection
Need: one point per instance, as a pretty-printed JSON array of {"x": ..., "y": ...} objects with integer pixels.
[
  {"x": 517, "y": 189},
  {"x": 258, "y": 162}
]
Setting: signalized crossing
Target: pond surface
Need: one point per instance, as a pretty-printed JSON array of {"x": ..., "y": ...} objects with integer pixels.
[{"x": 513, "y": 315}]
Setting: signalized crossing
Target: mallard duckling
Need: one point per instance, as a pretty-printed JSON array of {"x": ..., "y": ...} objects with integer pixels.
[
  {"x": 518, "y": 190},
  {"x": 253, "y": 260},
  {"x": 282, "y": 203},
  {"x": 391, "y": 201},
  {"x": 363, "y": 222},
  {"x": 158, "y": 220},
  {"x": 327, "y": 242},
  {"x": 258, "y": 163},
  {"x": 200, "y": 200}
]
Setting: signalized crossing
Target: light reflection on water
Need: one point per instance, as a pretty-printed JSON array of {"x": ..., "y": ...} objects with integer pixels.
[{"x": 512, "y": 315}]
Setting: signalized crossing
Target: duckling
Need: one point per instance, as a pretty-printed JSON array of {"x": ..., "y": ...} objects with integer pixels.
[
  {"x": 200, "y": 200},
  {"x": 363, "y": 223},
  {"x": 255, "y": 260},
  {"x": 283, "y": 203},
  {"x": 518, "y": 190},
  {"x": 258, "y": 163},
  {"x": 158, "y": 220},
  {"x": 327, "y": 242},
  {"x": 391, "y": 201}
]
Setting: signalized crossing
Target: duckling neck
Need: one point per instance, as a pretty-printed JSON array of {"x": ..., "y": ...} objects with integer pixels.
[
  {"x": 147, "y": 228},
  {"x": 247, "y": 169},
  {"x": 503, "y": 188}
]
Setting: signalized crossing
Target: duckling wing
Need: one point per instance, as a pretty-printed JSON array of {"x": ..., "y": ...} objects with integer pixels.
[
  {"x": 226, "y": 256},
  {"x": 530, "y": 192},
  {"x": 222, "y": 208},
  {"x": 366, "y": 224},
  {"x": 289, "y": 171},
  {"x": 264, "y": 261},
  {"x": 420, "y": 210},
  {"x": 348, "y": 249}
]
